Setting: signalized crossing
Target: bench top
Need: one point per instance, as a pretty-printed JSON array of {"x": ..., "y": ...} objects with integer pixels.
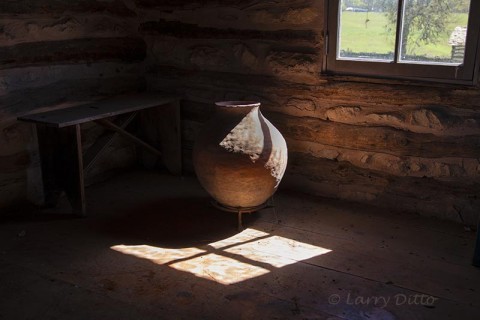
[{"x": 99, "y": 109}]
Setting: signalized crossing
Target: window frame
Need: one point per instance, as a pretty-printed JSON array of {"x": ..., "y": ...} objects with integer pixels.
[{"x": 466, "y": 73}]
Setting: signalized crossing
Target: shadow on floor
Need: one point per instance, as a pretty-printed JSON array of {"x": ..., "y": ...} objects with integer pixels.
[{"x": 173, "y": 223}]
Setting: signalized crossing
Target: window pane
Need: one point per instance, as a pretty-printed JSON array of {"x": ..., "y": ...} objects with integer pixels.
[
  {"x": 434, "y": 31},
  {"x": 367, "y": 29}
]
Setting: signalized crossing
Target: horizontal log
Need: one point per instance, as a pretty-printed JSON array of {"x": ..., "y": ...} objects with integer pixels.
[
  {"x": 116, "y": 7},
  {"x": 230, "y": 56},
  {"x": 19, "y": 29},
  {"x": 245, "y": 4},
  {"x": 192, "y": 31},
  {"x": 454, "y": 200},
  {"x": 435, "y": 119},
  {"x": 259, "y": 15},
  {"x": 400, "y": 95},
  {"x": 445, "y": 168},
  {"x": 376, "y": 139},
  {"x": 73, "y": 51},
  {"x": 41, "y": 76},
  {"x": 221, "y": 81},
  {"x": 183, "y": 3}
]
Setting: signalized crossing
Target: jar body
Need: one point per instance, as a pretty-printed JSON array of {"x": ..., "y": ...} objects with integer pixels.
[{"x": 239, "y": 156}]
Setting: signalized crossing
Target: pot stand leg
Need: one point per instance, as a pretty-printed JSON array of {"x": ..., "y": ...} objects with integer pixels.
[
  {"x": 239, "y": 210},
  {"x": 240, "y": 225},
  {"x": 270, "y": 204}
]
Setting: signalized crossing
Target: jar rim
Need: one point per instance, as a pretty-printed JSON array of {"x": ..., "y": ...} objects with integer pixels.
[{"x": 237, "y": 104}]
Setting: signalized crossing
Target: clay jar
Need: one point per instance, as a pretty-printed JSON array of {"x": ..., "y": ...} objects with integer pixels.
[{"x": 239, "y": 156}]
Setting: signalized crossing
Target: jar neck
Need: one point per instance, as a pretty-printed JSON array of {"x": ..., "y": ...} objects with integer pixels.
[
  {"x": 236, "y": 111},
  {"x": 237, "y": 107}
]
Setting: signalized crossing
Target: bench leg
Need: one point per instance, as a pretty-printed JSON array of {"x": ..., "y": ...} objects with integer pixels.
[
  {"x": 62, "y": 165},
  {"x": 476, "y": 254}
]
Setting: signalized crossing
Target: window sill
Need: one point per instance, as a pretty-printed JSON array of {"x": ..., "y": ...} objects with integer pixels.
[{"x": 430, "y": 83}]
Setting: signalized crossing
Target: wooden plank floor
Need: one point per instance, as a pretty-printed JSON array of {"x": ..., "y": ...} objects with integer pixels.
[{"x": 153, "y": 247}]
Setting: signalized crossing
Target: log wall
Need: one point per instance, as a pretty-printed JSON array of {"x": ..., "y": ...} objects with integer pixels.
[
  {"x": 55, "y": 53},
  {"x": 410, "y": 146}
]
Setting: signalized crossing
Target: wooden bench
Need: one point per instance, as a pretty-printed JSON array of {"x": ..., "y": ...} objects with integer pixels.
[{"x": 60, "y": 143}]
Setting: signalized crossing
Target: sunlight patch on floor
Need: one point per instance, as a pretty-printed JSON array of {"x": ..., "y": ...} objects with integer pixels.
[{"x": 244, "y": 256}]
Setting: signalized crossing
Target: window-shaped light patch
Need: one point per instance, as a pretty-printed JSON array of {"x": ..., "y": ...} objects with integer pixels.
[{"x": 249, "y": 254}]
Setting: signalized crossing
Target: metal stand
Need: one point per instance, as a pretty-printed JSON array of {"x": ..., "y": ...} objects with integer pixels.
[{"x": 239, "y": 210}]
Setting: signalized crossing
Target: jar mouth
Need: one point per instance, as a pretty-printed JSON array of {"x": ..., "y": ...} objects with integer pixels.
[{"x": 237, "y": 104}]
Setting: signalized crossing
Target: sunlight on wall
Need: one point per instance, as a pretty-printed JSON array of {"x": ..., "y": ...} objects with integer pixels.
[{"x": 247, "y": 255}]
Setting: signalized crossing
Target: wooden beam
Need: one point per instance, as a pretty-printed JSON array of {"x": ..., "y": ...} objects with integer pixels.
[
  {"x": 61, "y": 7},
  {"x": 111, "y": 126},
  {"x": 42, "y": 53},
  {"x": 375, "y": 139},
  {"x": 104, "y": 141},
  {"x": 192, "y": 31}
]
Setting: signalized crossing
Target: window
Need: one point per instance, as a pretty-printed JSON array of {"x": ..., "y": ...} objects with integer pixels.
[{"x": 435, "y": 40}]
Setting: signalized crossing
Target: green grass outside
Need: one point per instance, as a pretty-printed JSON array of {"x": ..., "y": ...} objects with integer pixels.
[{"x": 361, "y": 35}]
